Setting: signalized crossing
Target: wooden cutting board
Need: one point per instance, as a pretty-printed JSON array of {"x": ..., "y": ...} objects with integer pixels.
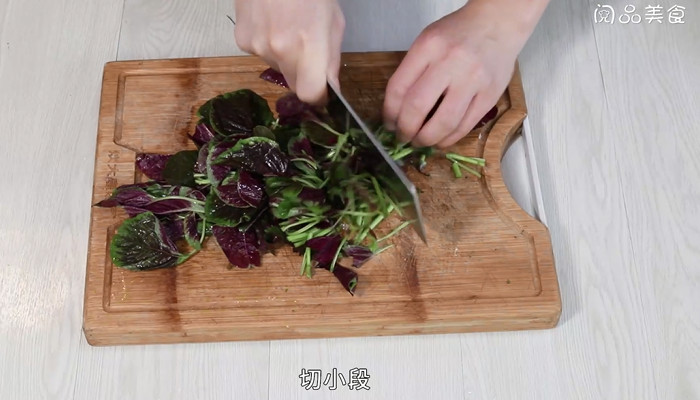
[{"x": 488, "y": 265}]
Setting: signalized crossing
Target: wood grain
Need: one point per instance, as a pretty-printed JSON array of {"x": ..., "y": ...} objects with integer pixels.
[
  {"x": 657, "y": 153},
  {"x": 174, "y": 29},
  {"x": 50, "y": 74},
  {"x": 488, "y": 267}
]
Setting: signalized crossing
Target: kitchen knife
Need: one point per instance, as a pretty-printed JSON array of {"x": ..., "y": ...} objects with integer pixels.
[{"x": 398, "y": 183}]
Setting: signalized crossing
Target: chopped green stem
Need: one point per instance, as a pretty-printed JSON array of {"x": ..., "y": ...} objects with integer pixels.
[
  {"x": 194, "y": 201},
  {"x": 339, "y": 147},
  {"x": 337, "y": 253},
  {"x": 380, "y": 193},
  {"x": 307, "y": 227},
  {"x": 383, "y": 249},
  {"x": 422, "y": 159},
  {"x": 324, "y": 232},
  {"x": 308, "y": 171},
  {"x": 204, "y": 230},
  {"x": 395, "y": 231},
  {"x": 401, "y": 154},
  {"x": 285, "y": 227},
  {"x": 311, "y": 163},
  {"x": 456, "y": 170},
  {"x": 377, "y": 220},
  {"x": 308, "y": 183},
  {"x": 470, "y": 160},
  {"x": 201, "y": 179},
  {"x": 185, "y": 257},
  {"x": 471, "y": 171},
  {"x": 296, "y": 237},
  {"x": 391, "y": 208},
  {"x": 363, "y": 234},
  {"x": 398, "y": 207},
  {"x": 357, "y": 213},
  {"x": 328, "y": 128},
  {"x": 306, "y": 263}
]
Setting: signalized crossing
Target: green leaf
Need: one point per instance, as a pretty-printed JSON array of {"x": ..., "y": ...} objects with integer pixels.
[
  {"x": 192, "y": 231},
  {"x": 256, "y": 154},
  {"x": 242, "y": 144},
  {"x": 263, "y": 131},
  {"x": 286, "y": 208},
  {"x": 239, "y": 112},
  {"x": 179, "y": 170},
  {"x": 319, "y": 134},
  {"x": 205, "y": 110},
  {"x": 141, "y": 244},
  {"x": 219, "y": 213},
  {"x": 283, "y": 134}
]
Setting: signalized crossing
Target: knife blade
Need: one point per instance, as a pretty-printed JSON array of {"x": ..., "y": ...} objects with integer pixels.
[{"x": 398, "y": 183}]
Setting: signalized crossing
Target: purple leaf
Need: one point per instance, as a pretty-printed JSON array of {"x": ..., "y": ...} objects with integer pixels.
[
  {"x": 202, "y": 135},
  {"x": 189, "y": 227},
  {"x": 488, "y": 117},
  {"x": 347, "y": 277},
  {"x": 313, "y": 195},
  {"x": 256, "y": 154},
  {"x": 300, "y": 147},
  {"x": 317, "y": 133},
  {"x": 155, "y": 198},
  {"x": 238, "y": 112},
  {"x": 128, "y": 195},
  {"x": 173, "y": 227},
  {"x": 242, "y": 190},
  {"x": 218, "y": 172},
  {"x": 168, "y": 206},
  {"x": 184, "y": 191},
  {"x": 291, "y": 110},
  {"x": 241, "y": 248},
  {"x": 324, "y": 249},
  {"x": 219, "y": 213},
  {"x": 275, "y": 77},
  {"x": 191, "y": 232},
  {"x": 152, "y": 165},
  {"x": 359, "y": 254}
]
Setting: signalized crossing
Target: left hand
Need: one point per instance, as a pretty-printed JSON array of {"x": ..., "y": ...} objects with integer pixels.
[{"x": 469, "y": 56}]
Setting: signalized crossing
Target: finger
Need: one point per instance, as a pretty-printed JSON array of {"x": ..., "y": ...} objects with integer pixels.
[
  {"x": 272, "y": 64},
  {"x": 410, "y": 69},
  {"x": 289, "y": 71},
  {"x": 447, "y": 117},
  {"x": 478, "y": 107},
  {"x": 334, "y": 54},
  {"x": 419, "y": 100},
  {"x": 311, "y": 78},
  {"x": 242, "y": 32}
]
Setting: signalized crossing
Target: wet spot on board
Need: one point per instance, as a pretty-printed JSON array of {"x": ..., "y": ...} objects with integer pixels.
[
  {"x": 408, "y": 262},
  {"x": 171, "y": 298}
]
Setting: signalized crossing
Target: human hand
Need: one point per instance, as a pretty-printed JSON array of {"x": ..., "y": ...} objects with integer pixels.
[
  {"x": 299, "y": 38},
  {"x": 467, "y": 56}
]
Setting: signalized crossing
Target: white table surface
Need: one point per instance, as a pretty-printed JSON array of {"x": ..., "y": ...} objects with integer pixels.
[{"x": 616, "y": 132}]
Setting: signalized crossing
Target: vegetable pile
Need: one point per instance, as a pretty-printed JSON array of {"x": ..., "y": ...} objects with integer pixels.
[{"x": 257, "y": 182}]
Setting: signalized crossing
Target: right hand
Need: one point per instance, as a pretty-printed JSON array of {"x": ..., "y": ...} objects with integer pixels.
[{"x": 299, "y": 38}]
